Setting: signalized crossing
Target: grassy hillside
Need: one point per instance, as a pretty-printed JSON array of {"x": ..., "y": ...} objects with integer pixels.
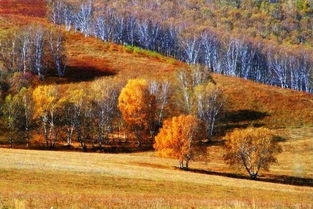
[
  {"x": 42, "y": 179},
  {"x": 253, "y": 103},
  {"x": 90, "y": 58}
]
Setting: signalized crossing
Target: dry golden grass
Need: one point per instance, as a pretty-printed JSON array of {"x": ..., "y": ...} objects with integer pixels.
[
  {"x": 297, "y": 156},
  {"x": 42, "y": 179}
]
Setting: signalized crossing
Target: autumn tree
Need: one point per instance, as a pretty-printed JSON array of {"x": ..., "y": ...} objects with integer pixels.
[
  {"x": 105, "y": 97},
  {"x": 26, "y": 106},
  {"x": 179, "y": 139},
  {"x": 38, "y": 35},
  {"x": 78, "y": 114},
  {"x": 56, "y": 44},
  {"x": 137, "y": 106},
  {"x": 198, "y": 95},
  {"x": 252, "y": 148},
  {"x": 161, "y": 91},
  {"x": 47, "y": 103},
  {"x": 68, "y": 119},
  {"x": 187, "y": 80},
  {"x": 12, "y": 113},
  {"x": 209, "y": 101},
  {"x": 17, "y": 111}
]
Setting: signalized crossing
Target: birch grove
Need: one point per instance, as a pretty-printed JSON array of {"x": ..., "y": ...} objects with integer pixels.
[{"x": 234, "y": 56}]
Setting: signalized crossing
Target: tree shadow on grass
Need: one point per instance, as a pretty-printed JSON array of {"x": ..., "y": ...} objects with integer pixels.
[
  {"x": 78, "y": 74},
  {"x": 239, "y": 119},
  {"x": 114, "y": 147},
  {"x": 281, "y": 179},
  {"x": 85, "y": 73},
  {"x": 242, "y": 116}
]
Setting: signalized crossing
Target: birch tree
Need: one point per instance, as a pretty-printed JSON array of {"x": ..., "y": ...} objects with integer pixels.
[
  {"x": 47, "y": 104},
  {"x": 209, "y": 105},
  {"x": 106, "y": 92}
]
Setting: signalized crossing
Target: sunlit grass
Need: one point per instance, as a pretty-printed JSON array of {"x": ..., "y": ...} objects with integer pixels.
[{"x": 43, "y": 179}]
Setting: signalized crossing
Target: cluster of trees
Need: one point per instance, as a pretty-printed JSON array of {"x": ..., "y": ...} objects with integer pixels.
[
  {"x": 179, "y": 122},
  {"x": 34, "y": 49},
  {"x": 252, "y": 149},
  {"x": 97, "y": 113},
  {"x": 59, "y": 113},
  {"x": 184, "y": 31}
]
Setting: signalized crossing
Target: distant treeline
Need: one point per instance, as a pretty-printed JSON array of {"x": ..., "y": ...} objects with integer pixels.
[{"x": 137, "y": 25}]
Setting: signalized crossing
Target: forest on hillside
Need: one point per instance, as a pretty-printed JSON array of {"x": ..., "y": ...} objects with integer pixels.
[{"x": 268, "y": 41}]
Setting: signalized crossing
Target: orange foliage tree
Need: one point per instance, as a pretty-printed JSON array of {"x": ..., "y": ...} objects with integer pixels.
[
  {"x": 253, "y": 148},
  {"x": 179, "y": 138},
  {"x": 137, "y": 106}
]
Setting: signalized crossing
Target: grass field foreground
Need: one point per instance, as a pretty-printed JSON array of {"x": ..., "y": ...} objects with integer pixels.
[{"x": 45, "y": 179}]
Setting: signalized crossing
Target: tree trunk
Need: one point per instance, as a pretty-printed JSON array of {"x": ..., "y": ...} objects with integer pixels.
[
  {"x": 181, "y": 164},
  {"x": 187, "y": 164},
  {"x": 27, "y": 136},
  {"x": 46, "y": 133},
  {"x": 253, "y": 176},
  {"x": 11, "y": 140}
]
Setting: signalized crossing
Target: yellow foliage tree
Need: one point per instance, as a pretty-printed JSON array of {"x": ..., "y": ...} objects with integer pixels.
[
  {"x": 253, "y": 148},
  {"x": 178, "y": 139},
  {"x": 46, "y": 103},
  {"x": 137, "y": 106}
]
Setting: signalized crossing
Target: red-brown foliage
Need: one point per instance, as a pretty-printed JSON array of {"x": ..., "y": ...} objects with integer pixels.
[{"x": 33, "y": 8}]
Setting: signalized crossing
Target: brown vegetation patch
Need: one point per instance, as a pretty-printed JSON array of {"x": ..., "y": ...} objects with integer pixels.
[{"x": 33, "y": 8}]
